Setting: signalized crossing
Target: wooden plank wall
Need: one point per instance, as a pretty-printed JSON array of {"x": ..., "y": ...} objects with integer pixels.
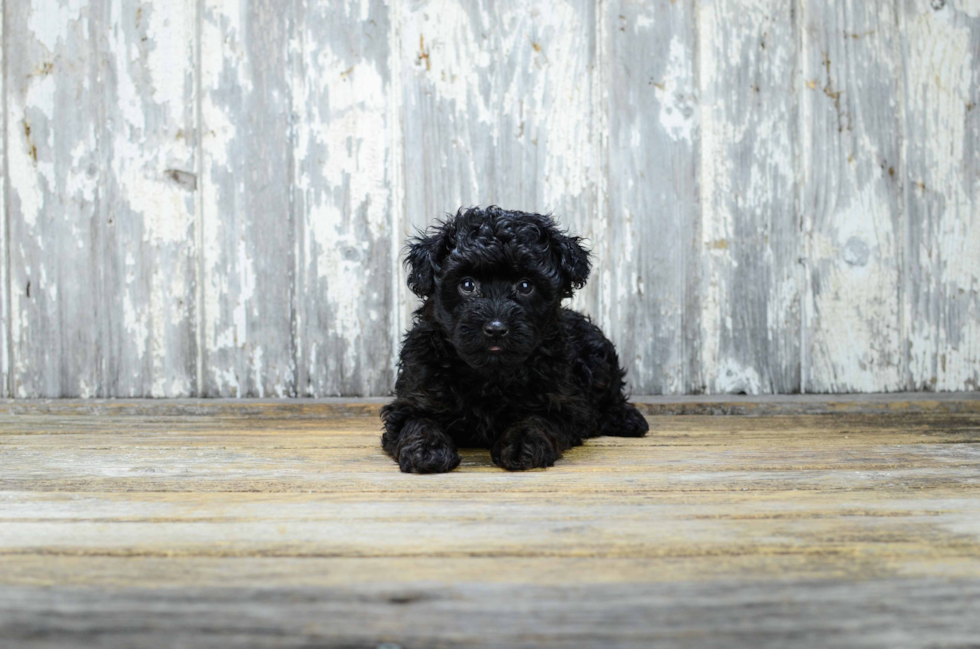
[{"x": 210, "y": 197}]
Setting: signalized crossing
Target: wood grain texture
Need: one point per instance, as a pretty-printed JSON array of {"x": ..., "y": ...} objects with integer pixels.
[
  {"x": 248, "y": 219},
  {"x": 497, "y": 109},
  {"x": 229, "y": 529},
  {"x": 4, "y": 247},
  {"x": 941, "y": 53},
  {"x": 750, "y": 233},
  {"x": 885, "y": 612},
  {"x": 148, "y": 250},
  {"x": 852, "y": 197},
  {"x": 56, "y": 204},
  {"x": 894, "y": 403},
  {"x": 650, "y": 251},
  {"x": 103, "y": 222},
  {"x": 341, "y": 86}
]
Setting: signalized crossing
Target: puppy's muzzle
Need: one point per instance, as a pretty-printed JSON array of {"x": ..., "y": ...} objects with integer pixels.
[{"x": 495, "y": 329}]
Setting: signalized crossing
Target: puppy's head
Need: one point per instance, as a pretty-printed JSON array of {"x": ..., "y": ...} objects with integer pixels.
[{"x": 495, "y": 280}]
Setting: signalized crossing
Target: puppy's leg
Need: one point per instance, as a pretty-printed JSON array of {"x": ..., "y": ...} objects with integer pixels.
[
  {"x": 530, "y": 444},
  {"x": 623, "y": 420},
  {"x": 417, "y": 444},
  {"x": 606, "y": 385}
]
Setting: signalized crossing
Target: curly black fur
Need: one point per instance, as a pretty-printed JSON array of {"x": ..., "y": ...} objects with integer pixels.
[{"x": 492, "y": 359}]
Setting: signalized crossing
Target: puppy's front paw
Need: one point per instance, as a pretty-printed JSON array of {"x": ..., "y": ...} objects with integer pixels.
[
  {"x": 624, "y": 421},
  {"x": 423, "y": 447},
  {"x": 526, "y": 445}
]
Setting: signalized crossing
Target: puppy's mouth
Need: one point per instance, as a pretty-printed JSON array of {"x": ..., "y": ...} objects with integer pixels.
[
  {"x": 492, "y": 355},
  {"x": 481, "y": 352}
]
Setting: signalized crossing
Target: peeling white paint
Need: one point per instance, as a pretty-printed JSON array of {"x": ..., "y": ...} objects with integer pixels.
[
  {"x": 969, "y": 7},
  {"x": 258, "y": 375},
  {"x": 445, "y": 46},
  {"x": 246, "y": 289},
  {"x": 219, "y": 132},
  {"x": 507, "y": 104},
  {"x": 732, "y": 378},
  {"x": 353, "y": 135},
  {"x": 152, "y": 62},
  {"x": 568, "y": 166},
  {"x": 678, "y": 109},
  {"x": 853, "y": 313},
  {"x": 856, "y": 307},
  {"x": 4, "y": 246},
  {"x": 716, "y": 173},
  {"x": 85, "y": 389},
  {"x": 24, "y": 178},
  {"x": 749, "y": 327},
  {"x": 342, "y": 169},
  {"x": 644, "y": 22},
  {"x": 135, "y": 324},
  {"x": 944, "y": 354},
  {"x": 51, "y": 20}
]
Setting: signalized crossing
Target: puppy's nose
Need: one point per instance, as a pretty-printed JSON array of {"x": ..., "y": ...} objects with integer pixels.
[{"x": 495, "y": 329}]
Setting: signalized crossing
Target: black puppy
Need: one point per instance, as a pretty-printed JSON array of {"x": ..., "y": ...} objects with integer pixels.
[{"x": 493, "y": 360}]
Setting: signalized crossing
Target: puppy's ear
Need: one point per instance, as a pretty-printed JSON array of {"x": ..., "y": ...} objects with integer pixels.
[
  {"x": 425, "y": 254},
  {"x": 574, "y": 262}
]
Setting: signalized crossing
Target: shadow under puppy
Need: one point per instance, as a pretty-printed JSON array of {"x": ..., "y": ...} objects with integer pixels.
[{"x": 493, "y": 359}]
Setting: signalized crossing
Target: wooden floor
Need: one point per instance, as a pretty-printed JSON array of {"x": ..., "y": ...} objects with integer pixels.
[{"x": 217, "y": 524}]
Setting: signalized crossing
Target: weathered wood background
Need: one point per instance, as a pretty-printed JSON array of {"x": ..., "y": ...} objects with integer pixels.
[{"x": 209, "y": 197}]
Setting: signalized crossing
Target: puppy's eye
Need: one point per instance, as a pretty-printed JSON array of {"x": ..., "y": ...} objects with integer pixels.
[
  {"x": 467, "y": 286},
  {"x": 524, "y": 287}
]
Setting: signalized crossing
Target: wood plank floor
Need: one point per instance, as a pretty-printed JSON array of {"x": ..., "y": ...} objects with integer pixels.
[{"x": 219, "y": 524}]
